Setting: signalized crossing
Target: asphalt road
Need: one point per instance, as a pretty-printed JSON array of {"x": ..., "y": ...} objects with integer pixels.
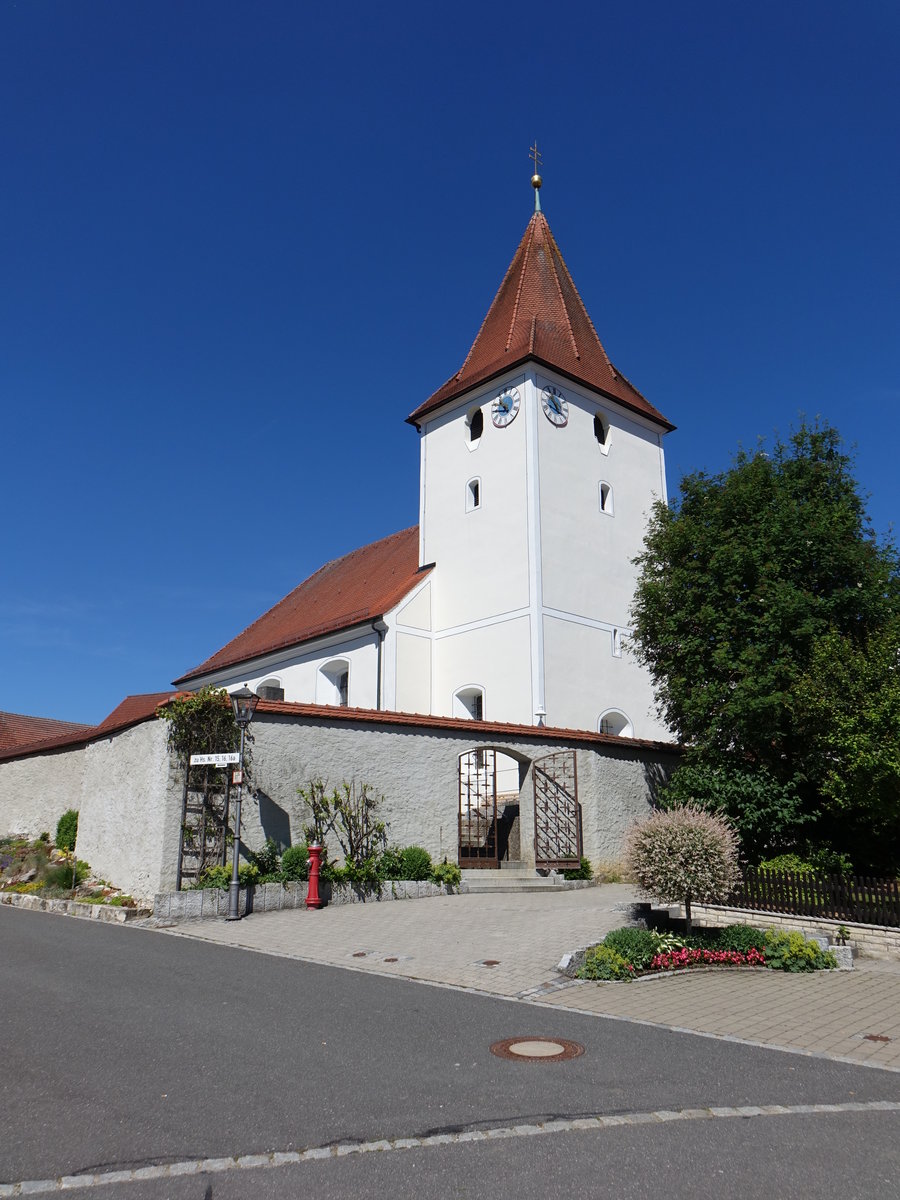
[{"x": 124, "y": 1048}]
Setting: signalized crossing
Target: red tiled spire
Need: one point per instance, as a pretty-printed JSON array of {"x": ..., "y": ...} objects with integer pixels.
[{"x": 538, "y": 314}]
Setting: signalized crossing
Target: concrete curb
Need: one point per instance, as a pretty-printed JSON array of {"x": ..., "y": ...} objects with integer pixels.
[{"x": 74, "y": 908}]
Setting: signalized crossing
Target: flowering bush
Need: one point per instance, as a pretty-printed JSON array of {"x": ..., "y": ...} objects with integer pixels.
[
  {"x": 683, "y": 854},
  {"x": 676, "y": 960}
]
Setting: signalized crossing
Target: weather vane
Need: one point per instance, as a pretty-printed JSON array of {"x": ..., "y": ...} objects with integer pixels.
[{"x": 536, "y": 180}]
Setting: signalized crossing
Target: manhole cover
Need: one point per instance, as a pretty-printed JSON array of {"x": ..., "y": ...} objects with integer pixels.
[{"x": 533, "y": 1049}]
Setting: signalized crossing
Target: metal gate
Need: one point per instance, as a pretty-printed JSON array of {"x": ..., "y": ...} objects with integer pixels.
[
  {"x": 557, "y": 813},
  {"x": 478, "y": 809},
  {"x": 204, "y": 822}
]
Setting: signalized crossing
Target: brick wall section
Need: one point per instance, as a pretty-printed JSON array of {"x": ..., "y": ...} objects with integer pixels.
[{"x": 872, "y": 941}]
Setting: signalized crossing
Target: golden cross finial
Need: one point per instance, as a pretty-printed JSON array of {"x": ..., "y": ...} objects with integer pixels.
[{"x": 536, "y": 180}]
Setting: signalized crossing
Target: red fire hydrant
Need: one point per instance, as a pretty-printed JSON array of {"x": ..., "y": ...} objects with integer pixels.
[{"x": 312, "y": 896}]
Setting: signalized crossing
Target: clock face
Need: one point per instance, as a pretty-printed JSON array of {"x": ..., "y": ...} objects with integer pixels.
[
  {"x": 505, "y": 407},
  {"x": 555, "y": 406}
]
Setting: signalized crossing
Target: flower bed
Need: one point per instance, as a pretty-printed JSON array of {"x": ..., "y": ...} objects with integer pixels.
[{"x": 630, "y": 953}]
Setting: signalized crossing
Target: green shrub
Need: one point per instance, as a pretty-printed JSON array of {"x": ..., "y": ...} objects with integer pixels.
[
  {"x": 415, "y": 863},
  {"x": 295, "y": 863},
  {"x": 820, "y": 861},
  {"x": 787, "y": 862},
  {"x": 60, "y": 875},
  {"x": 390, "y": 865},
  {"x": 584, "y": 871},
  {"x": 67, "y": 830},
  {"x": 214, "y": 877},
  {"x": 602, "y": 962},
  {"x": 266, "y": 861},
  {"x": 44, "y": 837},
  {"x": 741, "y": 938},
  {"x": 792, "y": 952},
  {"x": 637, "y": 946},
  {"x": 248, "y": 874},
  {"x": 448, "y": 873}
]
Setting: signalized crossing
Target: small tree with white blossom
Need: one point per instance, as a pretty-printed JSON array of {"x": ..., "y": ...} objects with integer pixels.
[{"x": 682, "y": 855}]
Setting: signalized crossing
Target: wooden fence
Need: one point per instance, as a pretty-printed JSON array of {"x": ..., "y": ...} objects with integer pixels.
[{"x": 853, "y": 898}]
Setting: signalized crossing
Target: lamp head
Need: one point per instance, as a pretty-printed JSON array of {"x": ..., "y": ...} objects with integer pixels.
[{"x": 244, "y": 703}]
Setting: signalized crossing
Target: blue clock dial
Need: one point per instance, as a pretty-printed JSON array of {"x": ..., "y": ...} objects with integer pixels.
[
  {"x": 505, "y": 407},
  {"x": 555, "y": 406}
]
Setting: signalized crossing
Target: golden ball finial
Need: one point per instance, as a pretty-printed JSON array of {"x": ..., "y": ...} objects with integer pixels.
[{"x": 536, "y": 181}]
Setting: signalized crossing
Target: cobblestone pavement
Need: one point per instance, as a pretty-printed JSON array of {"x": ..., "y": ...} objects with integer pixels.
[{"x": 508, "y": 944}]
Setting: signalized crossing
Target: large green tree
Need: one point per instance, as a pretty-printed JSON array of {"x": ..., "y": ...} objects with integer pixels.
[{"x": 741, "y": 583}]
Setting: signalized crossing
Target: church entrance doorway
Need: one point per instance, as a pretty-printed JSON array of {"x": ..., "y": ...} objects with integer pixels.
[
  {"x": 478, "y": 809},
  {"x": 489, "y": 785},
  {"x": 557, "y": 813}
]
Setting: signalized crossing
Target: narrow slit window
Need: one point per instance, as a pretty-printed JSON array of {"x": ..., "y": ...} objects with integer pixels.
[
  {"x": 606, "y": 499},
  {"x": 617, "y": 643},
  {"x": 473, "y": 495},
  {"x": 601, "y": 429},
  {"x": 476, "y": 425}
]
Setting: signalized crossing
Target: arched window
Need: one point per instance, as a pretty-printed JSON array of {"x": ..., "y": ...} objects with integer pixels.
[
  {"x": 469, "y": 702},
  {"x": 334, "y": 683},
  {"x": 601, "y": 431},
  {"x": 475, "y": 422},
  {"x": 616, "y": 723},
  {"x": 271, "y": 689},
  {"x": 606, "y": 498},
  {"x": 473, "y": 495},
  {"x": 617, "y": 643}
]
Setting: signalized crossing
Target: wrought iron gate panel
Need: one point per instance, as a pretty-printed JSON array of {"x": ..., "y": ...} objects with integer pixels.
[
  {"x": 204, "y": 822},
  {"x": 557, "y": 813},
  {"x": 478, "y": 809}
]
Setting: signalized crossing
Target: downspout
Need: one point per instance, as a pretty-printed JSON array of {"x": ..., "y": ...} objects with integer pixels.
[{"x": 381, "y": 629}]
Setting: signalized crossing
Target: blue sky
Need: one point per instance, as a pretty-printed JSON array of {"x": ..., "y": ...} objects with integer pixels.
[{"x": 241, "y": 242}]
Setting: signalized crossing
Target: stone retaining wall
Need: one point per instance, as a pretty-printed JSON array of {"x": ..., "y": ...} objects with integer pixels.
[
  {"x": 73, "y": 908},
  {"x": 872, "y": 941},
  {"x": 272, "y": 897}
]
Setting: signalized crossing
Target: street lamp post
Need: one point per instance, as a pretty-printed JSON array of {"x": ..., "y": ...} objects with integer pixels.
[{"x": 244, "y": 703}]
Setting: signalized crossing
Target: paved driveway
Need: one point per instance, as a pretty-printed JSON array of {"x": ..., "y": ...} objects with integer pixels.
[{"x": 509, "y": 944}]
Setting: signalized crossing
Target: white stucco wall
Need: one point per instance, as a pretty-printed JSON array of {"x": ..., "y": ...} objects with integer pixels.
[
  {"x": 36, "y": 791},
  {"x": 548, "y": 564},
  {"x": 130, "y": 810},
  {"x": 127, "y": 799},
  {"x": 300, "y": 673},
  {"x": 413, "y": 674},
  {"x": 495, "y": 657},
  {"x": 482, "y": 555}
]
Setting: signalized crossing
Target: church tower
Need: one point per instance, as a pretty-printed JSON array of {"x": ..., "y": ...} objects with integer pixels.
[{"x": 539, "y": 463}]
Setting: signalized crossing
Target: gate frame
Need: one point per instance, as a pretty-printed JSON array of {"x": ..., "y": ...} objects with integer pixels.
[{"x": 558, "y": 863}]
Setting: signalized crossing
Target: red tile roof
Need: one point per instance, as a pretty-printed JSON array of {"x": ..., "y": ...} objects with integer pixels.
[
  {"x": 19, "y": 730},
  {"x": 132, "y": 711},
  {"x": 347, "y": 591},
  {"x": 538, "y": 314},
  {"x": 482, "y": 730}
]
